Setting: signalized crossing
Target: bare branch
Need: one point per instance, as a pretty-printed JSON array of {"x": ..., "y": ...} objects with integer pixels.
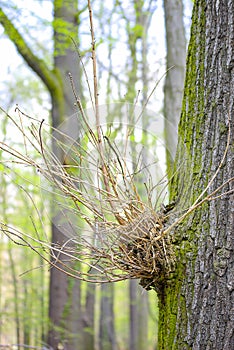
[{"x": 38, "y": 66}]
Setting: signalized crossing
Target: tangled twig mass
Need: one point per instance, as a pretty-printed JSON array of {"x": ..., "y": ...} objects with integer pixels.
[
  {"x": 100, "y": 200},
  {"x": 108, "y": 229}
]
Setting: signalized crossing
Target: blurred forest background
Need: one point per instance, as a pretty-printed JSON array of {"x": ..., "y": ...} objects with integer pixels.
[{"x": 136, "y": 42}]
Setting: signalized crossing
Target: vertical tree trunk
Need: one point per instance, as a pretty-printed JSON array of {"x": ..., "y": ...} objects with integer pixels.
[
  {"x": 107, "y": 339},
  {"x": 139, "y": 313},
  {"x": 88, "y": 318},
  {"x": 174, "y": 83},
  {"x": 64, "y": 308},
  {"x": 143, "y": 316},
  {"x": 65, "y": 305},
  {"x": 26, "y": 312},
  {"x": 134, "y": 321},
  {"x": 196, "y": 305}
]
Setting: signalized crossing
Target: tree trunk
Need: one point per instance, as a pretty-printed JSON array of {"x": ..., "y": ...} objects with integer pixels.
[
  {"x": 143, "y": 318},
  {"x": 196, "y": 305},
  {"x": 139, "y": 313},
  {"x": 134, "y": 320},
  {"x": 107, "y": 339},
  {"x": 65, "y": 305},
  {"x": 174, "y": 83},
  {"x": 64, "y": 308},
  {"x": 88, "y": 317}
]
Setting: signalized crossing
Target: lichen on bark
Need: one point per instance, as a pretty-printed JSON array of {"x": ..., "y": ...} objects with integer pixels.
[{"x": 196, "y": 307}]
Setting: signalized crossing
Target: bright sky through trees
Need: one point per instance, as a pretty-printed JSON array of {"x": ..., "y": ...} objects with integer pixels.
[{"x": 30, "y": 14}]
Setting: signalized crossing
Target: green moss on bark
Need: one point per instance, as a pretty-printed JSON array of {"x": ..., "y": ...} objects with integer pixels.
[{"x": 185, "y": 188}]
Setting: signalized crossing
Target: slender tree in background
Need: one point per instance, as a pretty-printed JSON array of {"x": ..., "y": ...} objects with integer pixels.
[
  {"x": 88, "y": 318},
  {"x": 64, "y": 310},
  {"x": 107, "y": 337},
  {"x": 174, "y": 83},
  {"x": 196, "y": 305},
  {"x": 65, "y": 296}
]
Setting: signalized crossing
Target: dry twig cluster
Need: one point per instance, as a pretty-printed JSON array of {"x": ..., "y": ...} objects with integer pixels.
[
  {"x": 123, "y": 236},
  {"x": 111, "y": 231}
]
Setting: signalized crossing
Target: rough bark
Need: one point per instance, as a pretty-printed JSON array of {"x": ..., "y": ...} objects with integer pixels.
[
  {"x": 196, "y": 306},
  {"x": 174, "y": 83}
]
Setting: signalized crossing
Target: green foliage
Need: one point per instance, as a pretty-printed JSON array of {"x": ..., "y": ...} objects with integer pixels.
[{"x": 138, "y": 31}]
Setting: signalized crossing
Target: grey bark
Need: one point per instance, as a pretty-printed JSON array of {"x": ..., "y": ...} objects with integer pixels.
[
  {"x": 107, "y": 340},
  {"x": 134, "y": 320},
  {"x": 65, "y": 294},
  {"x": 143, "y": 318},
  {"x": 197, "y": 305},
  {"x": 139, "y": 313}
]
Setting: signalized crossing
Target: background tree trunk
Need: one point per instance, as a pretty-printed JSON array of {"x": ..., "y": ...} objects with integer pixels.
[
  {"x": 65, "y": 294},
  {"x": 64, "y": 308},
  {"x": 88, "y": 318},
  {"x": 139, "y": 313},
  {"x": 196, "y": 305},
  {"x": 134, "y": 320},
  {"x": 107, "y": 339},
  {"x": 174, "y": 83}
]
